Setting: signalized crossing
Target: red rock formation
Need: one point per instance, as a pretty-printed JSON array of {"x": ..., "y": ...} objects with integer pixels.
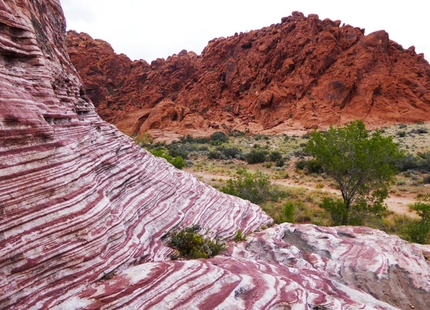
[
  {"x": 303, "y": 73},
  {"x": 79, "y": 200}
]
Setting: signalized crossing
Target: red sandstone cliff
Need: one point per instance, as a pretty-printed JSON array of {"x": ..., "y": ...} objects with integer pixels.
[
  {"x": 79, "y": 200},
  {"x": 304, "y": 72}
]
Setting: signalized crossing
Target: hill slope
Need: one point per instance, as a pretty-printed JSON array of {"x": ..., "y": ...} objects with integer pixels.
[
  {"x": 301, "y": 73},
  {"x": 83, "y": 211}
]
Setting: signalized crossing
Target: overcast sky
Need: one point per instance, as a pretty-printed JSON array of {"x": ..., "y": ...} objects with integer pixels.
[{"x": 144, "y": 29}]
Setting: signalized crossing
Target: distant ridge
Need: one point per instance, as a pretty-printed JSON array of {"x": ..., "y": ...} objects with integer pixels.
[{"x": 302, "y": 73}]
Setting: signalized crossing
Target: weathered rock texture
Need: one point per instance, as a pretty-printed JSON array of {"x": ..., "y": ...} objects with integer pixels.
[
  {"x": 79, "y": 199},
  {"x": 301, "y": 73},
  {"x": 285, "y": 267},
  {"x": 83, "y": 211}
]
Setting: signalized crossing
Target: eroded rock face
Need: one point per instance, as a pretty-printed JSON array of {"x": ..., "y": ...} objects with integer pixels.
[
  {"x": 301, "y": 73},
  {"x": 284, "y": 267},
  {"x": 83, "y": 211},
  {"x": 78, "y": 199}
]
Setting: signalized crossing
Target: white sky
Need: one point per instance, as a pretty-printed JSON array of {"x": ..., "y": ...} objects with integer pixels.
[{"x": 144, "y": 29}]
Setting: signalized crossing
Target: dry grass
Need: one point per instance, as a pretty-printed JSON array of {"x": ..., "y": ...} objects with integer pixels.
[{"x": 306, "y": 191}]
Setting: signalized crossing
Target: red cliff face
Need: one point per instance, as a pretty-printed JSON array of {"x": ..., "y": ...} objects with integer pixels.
[
  {"x": 83, "y": 209},
  {"x": 303, "y": 73}
]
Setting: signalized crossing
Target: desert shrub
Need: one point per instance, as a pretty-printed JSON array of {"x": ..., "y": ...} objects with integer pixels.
[
  {"x": 189, "y": 243},
  {"x": 280, "y": 162},
  {"x": 287, "y": 214},
  {"x": 420, "y": 131},
  {"x": 401, "y": 134},
  {"x": 362, "y": 213},
  {"x": 214, "y": 155},
  {"x": 411, "y": 162},
  {"x": 239, "y": 236},
  {"x": 255, "y": 187},
  {"x": 182, "y": 150},
  {"x": 230, "y": 152},
  {"x": 300, "y": 164},
  {"x": 419, "y": 231},
  {"x": 190, "y": 139},
  {"x": 311, "y": 166},
  {"x": 256, "y": 156},
  {"x": 274, "y": 156},
  {"x": 425, "y": 161},
  {"x": 218, "y": 137},
  {"x": 408, "y": 162},
  {"x": 178, "y": 161}
]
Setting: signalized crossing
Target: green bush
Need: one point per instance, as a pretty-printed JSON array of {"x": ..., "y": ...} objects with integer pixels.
[
  {"x": 420, "y": 231},
  {"x": 401, "y": 134},
  {"x": 362, "y": 213},
  {"x": 311, "y": 166},
  {"x": 178, "y": 161},
  {"x": 275, "y": 156},
  {"x": 255, "y": 187},
  {"x": 189, "y": 243},
  {"x": 218, "y": 137},
  {"x": 300, "y": 164},
  {"x": 214, "y": 155},
  {"x": 230, "y": 152},
  {"x": 408, "y": 162},
  {"x": 177, "y": 149},
  {"x": 287, "y": 214},
  {"x": 239, "y": 236},
  {"x": 256, "y": 156}
]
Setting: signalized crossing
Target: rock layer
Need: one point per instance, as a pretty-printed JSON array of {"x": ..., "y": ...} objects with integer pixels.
[
  {"x": 78, "y": 199},
  {"x": 301, "y": 73},
  {"x": 83, "y": 211},
  {"x": 285, "y": 267}
]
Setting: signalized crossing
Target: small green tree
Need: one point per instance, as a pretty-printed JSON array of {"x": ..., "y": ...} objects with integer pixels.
[{"x": 362, "y": 166}]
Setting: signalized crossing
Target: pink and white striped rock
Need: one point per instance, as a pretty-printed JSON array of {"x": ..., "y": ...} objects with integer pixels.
[
  {"x": 79, "y": 200},
  {"x": 284, "y": 267}
]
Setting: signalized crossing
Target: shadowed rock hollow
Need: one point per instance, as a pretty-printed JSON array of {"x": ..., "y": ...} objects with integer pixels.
[
  {"x": 301, "y": 73},
  {"x": 79, "y": 201}
]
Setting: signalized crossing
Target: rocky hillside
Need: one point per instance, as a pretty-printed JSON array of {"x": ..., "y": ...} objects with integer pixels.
[
  {"x": 301, "y": 73},
  {"x": 83, "y": 211}
]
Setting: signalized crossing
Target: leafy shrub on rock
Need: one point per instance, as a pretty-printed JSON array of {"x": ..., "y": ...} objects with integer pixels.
[{"x": 189, "y": 243}]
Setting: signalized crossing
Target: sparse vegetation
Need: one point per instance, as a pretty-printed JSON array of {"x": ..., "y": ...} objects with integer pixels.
[
  {"x": 255, "y": 187},
  {"x": 189, "y": 243},
  {"x": 178, "y": 161},
  {"x": 299, "y": 179},
  {"x": 419, "y": 231}
]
